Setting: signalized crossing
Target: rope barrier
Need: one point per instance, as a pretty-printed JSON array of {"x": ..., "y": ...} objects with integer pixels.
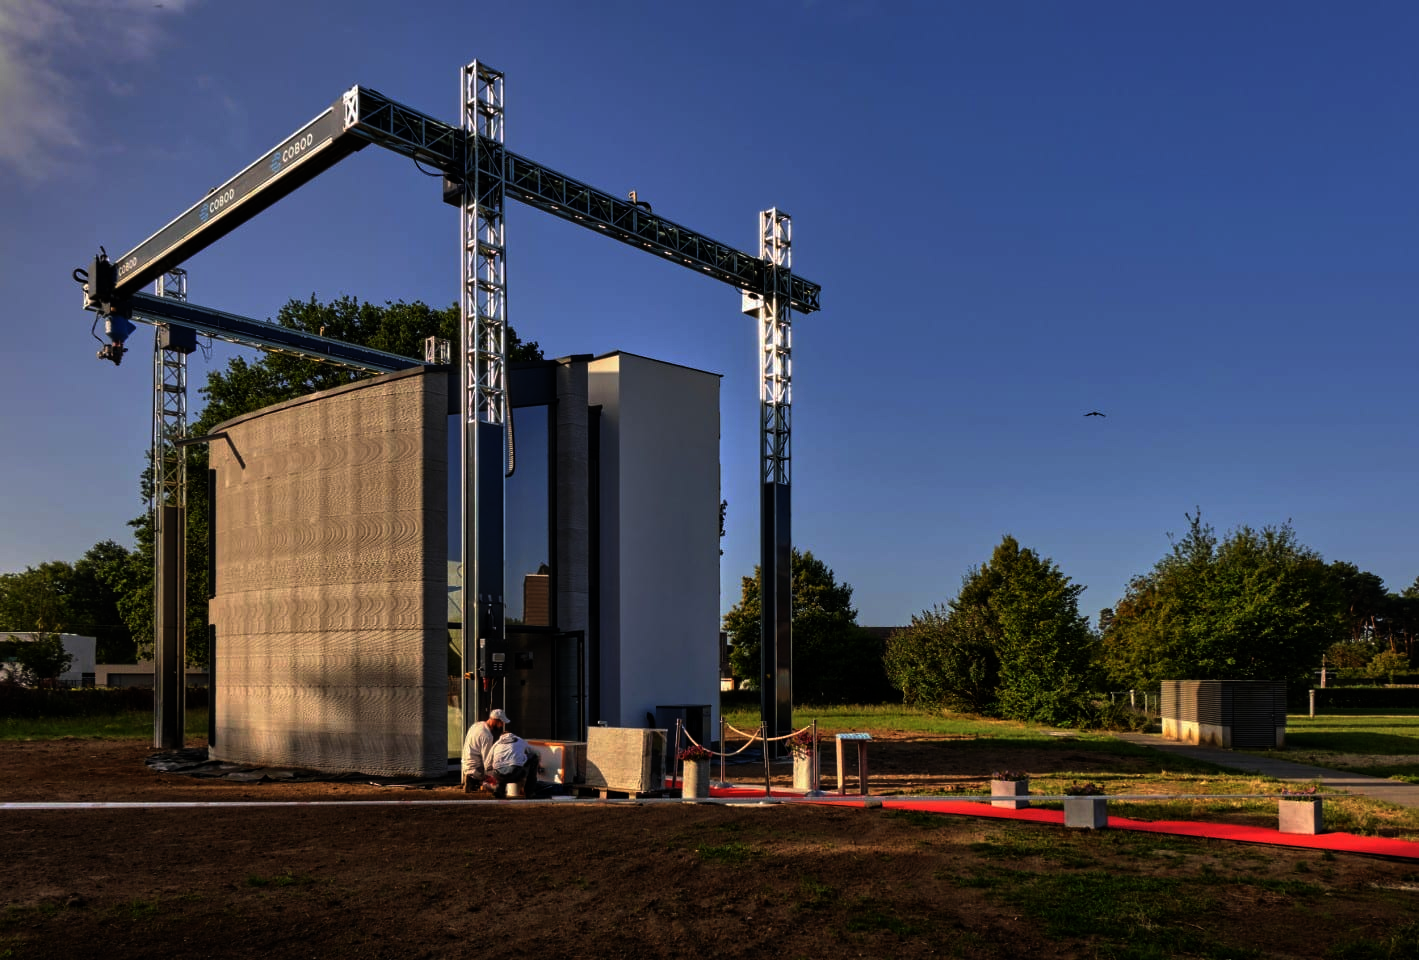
[
  {"x": 753, "y": 737},
  {"x": 721, "y": 753}
]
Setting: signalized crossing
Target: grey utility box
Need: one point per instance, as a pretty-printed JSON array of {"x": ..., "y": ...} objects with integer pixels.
[
  {"x": 1225, "y": 713},
  {"x": 695, "y": 718}
]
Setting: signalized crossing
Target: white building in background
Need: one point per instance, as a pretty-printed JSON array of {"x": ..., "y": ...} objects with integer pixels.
[{"x": 81, "y": 667}]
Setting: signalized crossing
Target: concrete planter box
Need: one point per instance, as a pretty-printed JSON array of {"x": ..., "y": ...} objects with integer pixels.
[
  {"x": 1301, "y": 816},
  {"x": 1086, "y": 813},
  {"x": 1010, "y": 788},
  {"x": 695, "y": 781},
  {"x": 803, "y": 773}
]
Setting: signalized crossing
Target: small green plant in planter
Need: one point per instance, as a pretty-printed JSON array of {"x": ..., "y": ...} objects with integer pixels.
[{"x": 1011, "y": 784}]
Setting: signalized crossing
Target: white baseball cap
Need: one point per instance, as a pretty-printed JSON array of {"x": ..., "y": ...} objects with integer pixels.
[{"x": 499, "y": 715}]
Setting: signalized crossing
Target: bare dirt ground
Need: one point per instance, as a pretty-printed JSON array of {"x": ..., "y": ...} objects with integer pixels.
[{"x": 512, "y": 879}]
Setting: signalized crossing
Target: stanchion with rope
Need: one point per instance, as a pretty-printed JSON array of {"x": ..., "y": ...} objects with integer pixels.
[
  {"x": 760, "y": 735},
  {"x": 723, "y": 754},
  {"x": 675, "y": 764},
  {"x": 768, "y": 773},
  {"x": 813, "y": 789}
]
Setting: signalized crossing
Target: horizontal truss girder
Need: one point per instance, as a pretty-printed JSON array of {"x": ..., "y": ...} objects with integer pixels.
[
  {"x": 266, "y": 336},
  {"x": 362, "y": 116},
  {"x": 405, "y": 130}
]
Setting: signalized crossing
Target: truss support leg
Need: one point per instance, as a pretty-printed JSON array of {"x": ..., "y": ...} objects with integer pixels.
[
  {"x": 775, "y": 449},
  {"x": 169, "y": 527},
  {"x": 485, "y": 404},
  {"x": 170, "y": 622}
]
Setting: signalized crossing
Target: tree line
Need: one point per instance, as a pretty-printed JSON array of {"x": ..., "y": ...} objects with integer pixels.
[{"x": 1256, "y": 604}]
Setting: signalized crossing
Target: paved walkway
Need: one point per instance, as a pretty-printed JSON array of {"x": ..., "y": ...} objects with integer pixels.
[{"x": 1392, "y": 791}]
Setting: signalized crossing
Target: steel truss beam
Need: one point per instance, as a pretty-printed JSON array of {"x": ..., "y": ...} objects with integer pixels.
[
  {"x": 362, "y": 116},
  {"x": 169, "y": 403},
  {"x": 429, "y": 140},
  {"x": 265, "y": 336},
  {"x": 483, "y": 364},
  {"x": 774, "y": 311}
]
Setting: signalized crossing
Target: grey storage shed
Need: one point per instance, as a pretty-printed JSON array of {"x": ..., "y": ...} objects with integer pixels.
[{"x": 1225, "y": 713}]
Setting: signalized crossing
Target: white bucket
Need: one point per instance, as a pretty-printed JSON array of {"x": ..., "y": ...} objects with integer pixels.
[{"x": 514, "y": 791}]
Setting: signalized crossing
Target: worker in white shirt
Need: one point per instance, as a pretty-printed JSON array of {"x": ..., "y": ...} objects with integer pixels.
[
  {"x": 480, "y": 765},
  {"x": 514, "y": 762},
  {"x": 478, "y": 748}
]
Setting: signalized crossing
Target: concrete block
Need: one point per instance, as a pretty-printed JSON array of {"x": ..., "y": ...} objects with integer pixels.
[
  {"x": 1301, "y": 816},
  {"x": 1086, "y": 813},
  {"x": 1010, "y": 788},
  {"x": 625, "y": 759}
]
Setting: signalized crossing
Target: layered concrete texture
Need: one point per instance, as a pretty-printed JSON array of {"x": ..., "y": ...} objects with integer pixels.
[{"x": 331, "y": 546}]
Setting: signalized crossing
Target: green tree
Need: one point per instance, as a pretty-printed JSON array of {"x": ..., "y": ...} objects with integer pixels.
[
  {"x": 1364, "y": 598},
  {"x": 1386, "y": 664},
  {"x": 946, "y": 658},
  {"x": 35, "y": 596},
  {"x": 1012, "y": 643},
  {"x": 834, "y": 660},
  {"x": 1258, "y": 605},
  {"x": 248, "y": 385},
  {"x": 75, "y": 598}
]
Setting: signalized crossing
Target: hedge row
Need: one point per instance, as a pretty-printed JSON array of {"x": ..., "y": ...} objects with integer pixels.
[
  {"x": 1366, "y": 697},
  {"x": 18, "y": 701},
  {"x": 1348, "y": 680}
]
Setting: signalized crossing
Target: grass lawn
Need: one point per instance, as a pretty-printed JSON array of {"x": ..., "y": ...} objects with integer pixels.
[
  {"x": 896, "y": 717},
  {"x": 1148, "y": 771},
  {"x": 132, "y": 725},
  {"x": 1379, "y": 745}
]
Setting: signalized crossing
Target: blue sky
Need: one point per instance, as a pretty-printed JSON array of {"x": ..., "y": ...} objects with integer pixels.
[{"x": 1200, "y": 219}]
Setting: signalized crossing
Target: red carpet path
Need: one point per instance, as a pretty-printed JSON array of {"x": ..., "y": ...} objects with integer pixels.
[{"x": 1338, "y": 842}]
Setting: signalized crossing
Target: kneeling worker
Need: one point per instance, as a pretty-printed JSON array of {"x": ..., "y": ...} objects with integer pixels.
[
  {"x": 513, "y": 762},
  {"x": 478, "y": 761}
]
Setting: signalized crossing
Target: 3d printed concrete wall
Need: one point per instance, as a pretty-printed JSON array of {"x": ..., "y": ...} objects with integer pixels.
[{"x": 331, "y": 543}]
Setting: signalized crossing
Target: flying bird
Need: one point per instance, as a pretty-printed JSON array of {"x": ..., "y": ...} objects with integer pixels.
[{"x": 1095, "y": 413}]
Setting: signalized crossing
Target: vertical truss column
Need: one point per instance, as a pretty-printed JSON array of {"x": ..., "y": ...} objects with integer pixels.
[
  {"x": 169, "y": 525},
  {"x": 483, "y": 362},
  {"x": 775, "y": 459}
]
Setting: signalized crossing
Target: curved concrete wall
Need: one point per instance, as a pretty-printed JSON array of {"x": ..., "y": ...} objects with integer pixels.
[{"x": 331, "y": 550}]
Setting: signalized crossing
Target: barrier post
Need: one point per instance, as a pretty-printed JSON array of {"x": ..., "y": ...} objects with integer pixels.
[
  {"x": 813, "y": 775},
  {"x": 675, "y": 764},
  {"x": 723, "y": 750},
  {"x": 768, "y": 777}
]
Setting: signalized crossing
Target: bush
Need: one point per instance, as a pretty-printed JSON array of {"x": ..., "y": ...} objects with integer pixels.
[
  {"x": 1365, "y": 697},
  {"x": 1107, "y": 715},
  {"x": 1357, "y": 678}
]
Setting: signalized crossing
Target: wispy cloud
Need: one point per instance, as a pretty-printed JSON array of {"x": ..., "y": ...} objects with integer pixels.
[{"x": 41, "y": 94}]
